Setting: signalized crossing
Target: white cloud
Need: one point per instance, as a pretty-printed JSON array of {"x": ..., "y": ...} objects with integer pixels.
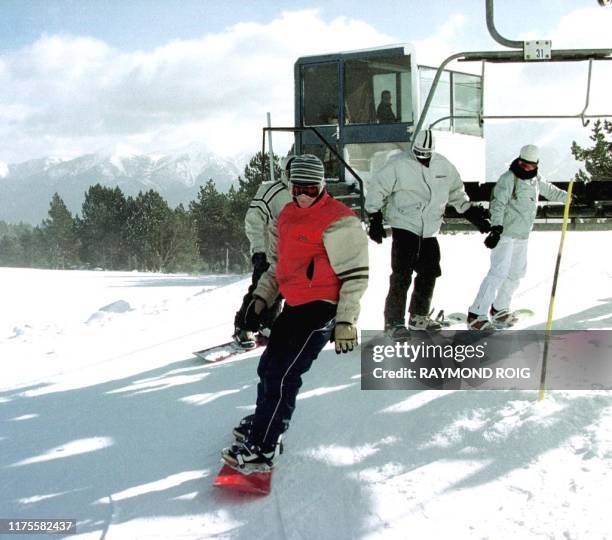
[
  {"x": 440, "y": 45},
  {"x": 68, "y": 95},
  {"x": 557, "y": 88}
]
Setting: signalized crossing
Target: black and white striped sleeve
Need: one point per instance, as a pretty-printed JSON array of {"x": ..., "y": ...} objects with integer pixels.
[
  {"x": 262, "y": 211},
  {"x": 346, "y": 245}
]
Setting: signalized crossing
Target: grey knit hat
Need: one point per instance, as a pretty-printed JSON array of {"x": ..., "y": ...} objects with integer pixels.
[{"x": 307, "y": 169}]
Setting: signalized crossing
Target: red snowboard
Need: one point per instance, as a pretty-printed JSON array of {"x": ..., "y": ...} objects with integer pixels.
[{"x": 259, "y": 483}]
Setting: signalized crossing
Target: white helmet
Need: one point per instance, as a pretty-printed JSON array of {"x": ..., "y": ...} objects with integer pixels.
[
  {"x": 530, "y": 154},
  {"x": 424, "y": 144}
]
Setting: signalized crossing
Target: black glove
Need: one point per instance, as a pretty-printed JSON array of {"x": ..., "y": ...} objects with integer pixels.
[
  {"x": 260, "y": 262},
  {"x": 376, "y": 230},
  {"x": 478, "y": 216},
  {"x": 493, "y": 237},
  {"x": 580, "y": 199},
  {"x": 252, "y": 315}
]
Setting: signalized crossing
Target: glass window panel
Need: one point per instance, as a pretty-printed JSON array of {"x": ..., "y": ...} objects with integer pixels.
[
  {"x": 406, "y": 98},
  {"x": 378, "y": 90},
  {"x": 320, "y": 94},
  {"x": 467, "y": 102},
  {"x": 441, "y": 104}
]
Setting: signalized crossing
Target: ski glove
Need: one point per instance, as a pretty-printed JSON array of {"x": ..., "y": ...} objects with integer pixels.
[
  {"x": 580, "y": 199},
  {"x": 478, "y": 216},
  {"x": 260, "y": 262},
  {"x": 345, "y": 336},
  {"x": 252, "y": 315},
  {"x": 493, "y": 237},
  {"x": 376, "y": 230}
]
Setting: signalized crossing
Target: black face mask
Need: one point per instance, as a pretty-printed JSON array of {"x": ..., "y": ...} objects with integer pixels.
[
  {"x": 424, "y": 161},
  {"x": 522, "y": 173}
]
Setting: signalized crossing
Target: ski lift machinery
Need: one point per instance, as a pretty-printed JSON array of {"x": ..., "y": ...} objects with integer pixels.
[{"x": 342, "y": 116}]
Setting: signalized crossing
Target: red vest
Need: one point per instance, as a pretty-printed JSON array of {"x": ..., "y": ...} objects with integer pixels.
[{"x": 303, "y": 272}]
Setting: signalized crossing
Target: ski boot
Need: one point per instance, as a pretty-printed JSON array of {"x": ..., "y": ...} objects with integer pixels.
[
  {"x": 244, "y": 338},
  {"x": 247, "y": 457},
  {"x": 478, "y": 322},
  {"x": 424, "y": 322},
  {"x": 502, "y": 318},
  {"x": 241, "y": 431}
]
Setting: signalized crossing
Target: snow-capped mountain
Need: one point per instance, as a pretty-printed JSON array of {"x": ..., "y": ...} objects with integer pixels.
[{"x": 26, "y": 188}]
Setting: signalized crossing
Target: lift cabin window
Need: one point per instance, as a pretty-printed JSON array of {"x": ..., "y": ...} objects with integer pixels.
[
  {"x": 467, "y": 102},
  {"x": 378, "y": 90},
  {"x": 320, "y": 94},
  {"x": 457, "y": 94}
]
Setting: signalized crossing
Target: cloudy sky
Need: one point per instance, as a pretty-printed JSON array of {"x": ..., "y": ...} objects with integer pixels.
[{"x": 78, "y": 76}]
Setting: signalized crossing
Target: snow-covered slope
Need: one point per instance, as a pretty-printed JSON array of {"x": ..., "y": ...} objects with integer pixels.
[{"x": 107, "y": 417}]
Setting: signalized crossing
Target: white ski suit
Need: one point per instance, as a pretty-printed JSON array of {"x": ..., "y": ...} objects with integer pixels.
[{"x": 514, "y": 206}]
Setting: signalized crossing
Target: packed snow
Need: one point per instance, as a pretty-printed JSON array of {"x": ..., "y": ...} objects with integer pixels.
[{"x": 109, "y": 419}]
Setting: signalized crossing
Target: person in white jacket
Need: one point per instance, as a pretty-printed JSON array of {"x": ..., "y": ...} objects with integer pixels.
[
  {"x": 415, "y": 187},
  {"x": 513, "y": 211},
  {"x": 260, "y": 219}
]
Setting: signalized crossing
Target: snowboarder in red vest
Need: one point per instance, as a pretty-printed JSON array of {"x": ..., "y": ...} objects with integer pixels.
[{"x": 319, "y": 263}]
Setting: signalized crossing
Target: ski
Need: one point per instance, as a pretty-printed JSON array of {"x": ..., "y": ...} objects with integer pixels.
[{"x": 229, "y": 349}]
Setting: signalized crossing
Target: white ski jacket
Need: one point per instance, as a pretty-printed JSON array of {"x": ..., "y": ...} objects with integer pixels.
[
  {"x": 416, "y": 196},
  {"x": 270, "y": 199},
  {"x": 514, "y": 202}
]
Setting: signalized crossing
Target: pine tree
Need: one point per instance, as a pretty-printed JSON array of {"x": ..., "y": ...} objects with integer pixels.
[
  {"x": 597, "y": 159},
  {"x": 146, "y": 227},
  {"x": 210, "y": 213},
  {"x": 239, "y": 201},
  {"x": 11, "y": 251},
  {"x": 34, "y": 248},
  {"x": 104, "y": 214},
  {"x": 60, "y": 234},
  {"x": 159, "y": 238},
  {"x": 184, "y": 242},
  {"x": 256, "y": 171}
]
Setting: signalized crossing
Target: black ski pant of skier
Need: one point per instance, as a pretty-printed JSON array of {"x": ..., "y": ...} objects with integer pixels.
[
  {"x": 411, "y": 253},
  {"x": 298, "y": 336},
  {"x": 269, "y": 315}
]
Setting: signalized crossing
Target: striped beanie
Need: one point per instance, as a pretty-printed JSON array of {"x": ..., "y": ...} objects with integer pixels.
[
  {"x": 424, "y": 143},
  {"x": 307, "y": 169}
]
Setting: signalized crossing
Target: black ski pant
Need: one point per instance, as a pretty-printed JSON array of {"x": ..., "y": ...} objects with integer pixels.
[
  {"x": 269, "y": 315},
  {"x": 297, "y": 337},
  {"x": 411, "y": 253}
]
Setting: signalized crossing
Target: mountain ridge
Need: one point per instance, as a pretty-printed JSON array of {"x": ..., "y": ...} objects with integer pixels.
[{"x": 26, "y": 188}]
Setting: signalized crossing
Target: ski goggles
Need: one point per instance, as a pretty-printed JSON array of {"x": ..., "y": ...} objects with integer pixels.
[{"x": 310, "y": 190}]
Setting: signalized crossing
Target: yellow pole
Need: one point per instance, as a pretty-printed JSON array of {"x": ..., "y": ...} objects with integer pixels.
[{"x": 551, "y": 304}]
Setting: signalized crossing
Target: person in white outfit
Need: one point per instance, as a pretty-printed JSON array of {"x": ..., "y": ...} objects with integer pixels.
[
  {"x": 260, "y": 219},
  {"x": 414, "y": 189},
  {"x": 513, "y": 211}
]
